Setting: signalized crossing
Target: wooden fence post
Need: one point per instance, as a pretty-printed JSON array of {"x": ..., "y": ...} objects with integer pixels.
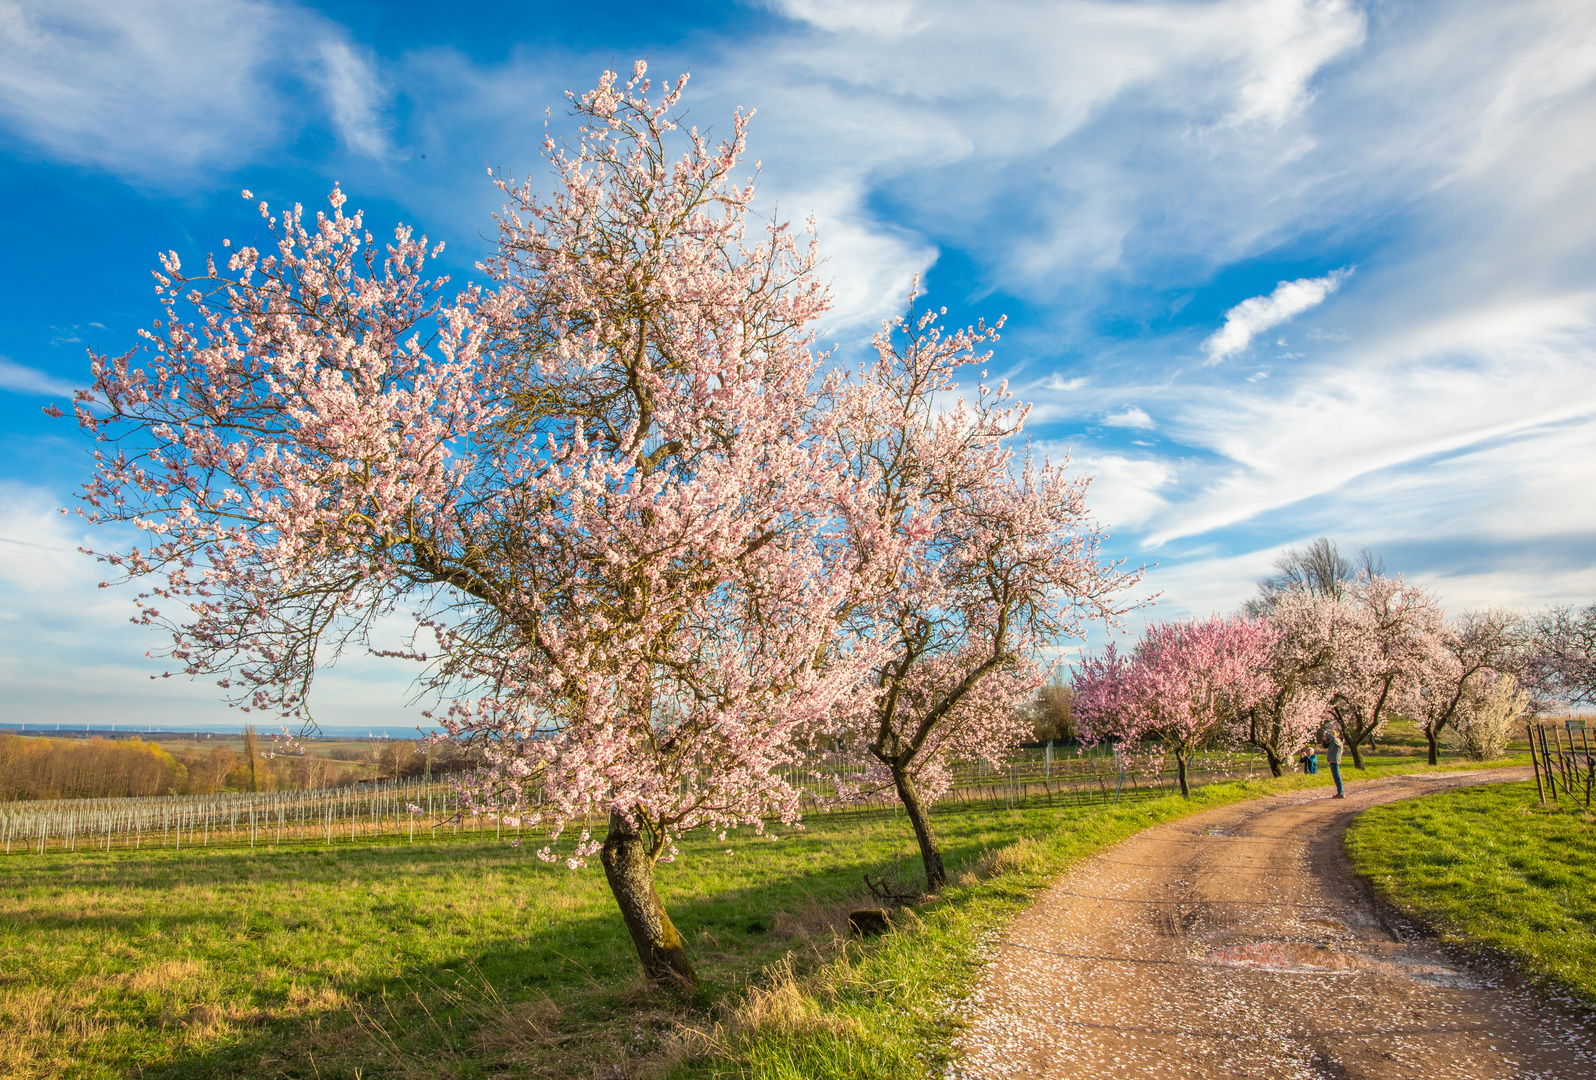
[
  {"x": 1546, "y": 759},
  {"x": 1529, "y": 729}
]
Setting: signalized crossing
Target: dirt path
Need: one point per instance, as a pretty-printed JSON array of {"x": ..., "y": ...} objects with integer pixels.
[{"x": 1238, "y": 942}]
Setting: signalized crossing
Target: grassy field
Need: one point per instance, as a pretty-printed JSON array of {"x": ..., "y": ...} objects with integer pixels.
[
  {"x": 469, "y": 958},
  {"x": 1491, "y": 865}
]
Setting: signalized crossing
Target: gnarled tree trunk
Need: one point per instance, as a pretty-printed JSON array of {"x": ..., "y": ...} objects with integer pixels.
[
  {"x": 1355, "y": 745},
  {"x": 1265, "y": 735},
  {"x": 1180, "y": 768},
  {"x": 1276, "y": 763},
  {"x": 629, "y": 866},
  {"x": 936, "y": 875}
]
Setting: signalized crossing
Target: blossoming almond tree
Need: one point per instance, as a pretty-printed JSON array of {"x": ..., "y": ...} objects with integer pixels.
[
  {"x": 1185, "y": 684},
  {"x": 1289, "y": 714},
  {"x": 969, "y": 562},
  {"x": 1378, "y": 639},
  {"x": 600, "y": 488},
  {"x": 1493, "y": 708},
  {"x": 1468, "y": 652},
  {"x": 671, "y": 578}
]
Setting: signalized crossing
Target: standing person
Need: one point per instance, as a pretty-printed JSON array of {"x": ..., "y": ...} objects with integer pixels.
[{"x": 1332, "y": 753}]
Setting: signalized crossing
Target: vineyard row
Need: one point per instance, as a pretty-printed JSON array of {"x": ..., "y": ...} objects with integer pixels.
[{"x": 401, "y": 809}]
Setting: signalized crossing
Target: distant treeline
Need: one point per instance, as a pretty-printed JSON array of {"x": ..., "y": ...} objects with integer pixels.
[{"x": 43, "y": 768}]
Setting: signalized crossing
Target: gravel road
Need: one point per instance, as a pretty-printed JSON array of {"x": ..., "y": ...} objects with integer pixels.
[{"x": 1238, "y": 943}]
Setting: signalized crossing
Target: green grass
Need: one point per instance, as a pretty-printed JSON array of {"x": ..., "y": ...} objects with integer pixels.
[
  {"x": 1492, "y": 866},
  {"x": 470, "y": 958}
]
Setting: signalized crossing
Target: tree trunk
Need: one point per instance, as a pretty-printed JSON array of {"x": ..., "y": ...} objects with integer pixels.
[
  {"x": 630, "y": 870},
  {"x": 1433, "y": 737},
  {"x": 1180, "y": 767},
  {"x": 1356, "y": 747},
  {"x": 1276, "y": 762},
  {"x": 936, "y": 875}
]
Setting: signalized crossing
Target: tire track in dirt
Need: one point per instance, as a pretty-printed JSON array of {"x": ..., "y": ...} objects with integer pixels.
[{"x": 1239, "y": 943}]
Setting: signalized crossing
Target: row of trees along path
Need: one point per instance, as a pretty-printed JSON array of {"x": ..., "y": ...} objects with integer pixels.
[
  {"x": 652, "y": 542},
  {"x": 1326, "y": 644}
]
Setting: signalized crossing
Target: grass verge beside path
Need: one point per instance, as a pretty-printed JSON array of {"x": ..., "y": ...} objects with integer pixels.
[
  {"x": 471, "y": 959},
  {"x": 1491, "y": 866}
]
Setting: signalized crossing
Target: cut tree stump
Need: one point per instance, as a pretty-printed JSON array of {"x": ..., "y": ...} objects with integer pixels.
[{"x": 868, "y": 922}]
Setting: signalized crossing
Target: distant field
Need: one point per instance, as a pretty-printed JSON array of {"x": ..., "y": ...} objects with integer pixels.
[{"x": 1491, "y": 865}]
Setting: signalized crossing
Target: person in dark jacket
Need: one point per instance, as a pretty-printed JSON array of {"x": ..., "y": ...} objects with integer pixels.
[{"x": 1332, "y": 754}]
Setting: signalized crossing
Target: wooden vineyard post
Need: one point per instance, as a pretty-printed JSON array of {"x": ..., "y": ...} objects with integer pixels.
[
  {"x": 1559, "y": 766},
  {"x": 1529, "y": 729},
  {"x": 1546, "y": 759},
  {"x": 1590, "y": 766}
]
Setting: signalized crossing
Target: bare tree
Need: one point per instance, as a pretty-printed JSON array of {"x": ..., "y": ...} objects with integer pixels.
[
  {"x": 1052, "y": 713},
  {"x": 1560, "y": 657},
  {"x": 1317, "y": 570}
]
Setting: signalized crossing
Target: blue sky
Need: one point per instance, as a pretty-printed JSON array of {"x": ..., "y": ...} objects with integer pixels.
[{"x": 1274, "y": 268}]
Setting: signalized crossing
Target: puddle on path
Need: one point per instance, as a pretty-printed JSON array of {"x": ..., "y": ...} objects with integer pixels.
[
  {"x": 1335, "y": 926},
  {"x": 1302, "y": 958},
  {"x": 1288, "y": 957}
]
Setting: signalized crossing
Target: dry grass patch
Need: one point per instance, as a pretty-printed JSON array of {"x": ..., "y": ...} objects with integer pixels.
[
  {"x": 171, "y": 978},
  {"x": 1023, "y": 856}
]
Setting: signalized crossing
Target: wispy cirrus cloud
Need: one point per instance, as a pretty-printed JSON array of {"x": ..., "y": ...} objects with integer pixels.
[
  {"x": 20, "y": 379},
  {"x": 1256, "y": 314},
  {"x": 155, "y": 90},
  {"x": 353, "y": 94}
]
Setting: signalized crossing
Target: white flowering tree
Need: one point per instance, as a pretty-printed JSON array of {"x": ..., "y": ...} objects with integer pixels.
[
  {"x": 969, "y": 559},
  {"x": 601, "y": 490}
]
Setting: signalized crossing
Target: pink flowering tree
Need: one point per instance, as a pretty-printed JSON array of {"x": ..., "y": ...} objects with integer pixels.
[
  {"x": 1186, "y": 684},
  {"x": 970, "y": 560},
  {"x": 1107, "y": 706},
  {"x": 602, "y": 492},
  {"x": 1293, "y": 706}
]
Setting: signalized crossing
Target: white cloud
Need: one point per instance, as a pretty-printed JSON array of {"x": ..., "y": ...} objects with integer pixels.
[
  {"x": 153, "y": 90},
  {"x": 869, "y": 266},
  {"x": 1131, "y": 418},
  {"x": 1295, "y": 41},
  {"x": 68, "y": 651},
  {"x": 884, "y": 17},
  {"x": 956, "y": 139},
  {"x": 1125, "y": 491},
  {"x": 25, "y": 380},
  {"x": 1259, "y": 313},
  {"x": 1404, "y": 399},
  {"x": 353, "y": 98}
]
